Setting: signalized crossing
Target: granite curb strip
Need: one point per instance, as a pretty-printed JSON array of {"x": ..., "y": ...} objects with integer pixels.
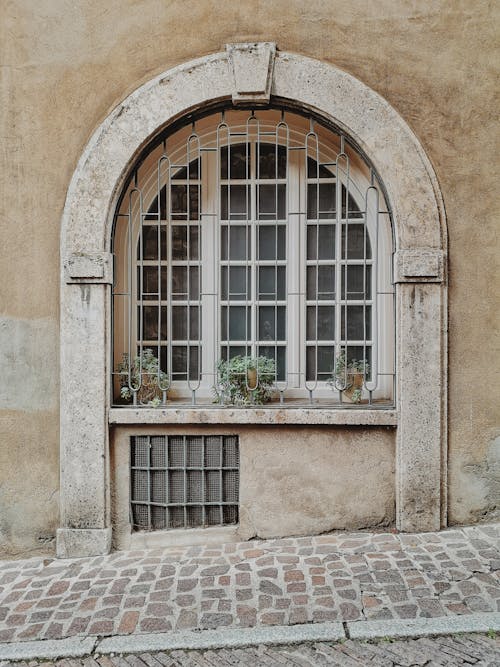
[
  {"x": 423, "y": 627},
  {"x": 51, "y": 649},
  {"x": 75, "y": 647}
]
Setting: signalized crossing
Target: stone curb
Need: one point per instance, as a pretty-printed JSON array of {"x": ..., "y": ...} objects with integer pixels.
[
  {"x": 74, "y": 647},
  {"x": 51, "y": 649},
  {"x": 422, "y": 627}
]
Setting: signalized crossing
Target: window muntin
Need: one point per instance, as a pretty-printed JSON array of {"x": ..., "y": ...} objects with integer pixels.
[{"x": 272, "y": 237}]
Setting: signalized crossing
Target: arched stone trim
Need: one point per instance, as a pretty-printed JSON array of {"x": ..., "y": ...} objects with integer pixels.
[{"x": 86, "y": 270}]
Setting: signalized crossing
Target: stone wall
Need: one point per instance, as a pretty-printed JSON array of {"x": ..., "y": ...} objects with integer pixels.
[{"x": 65, "y": 65}]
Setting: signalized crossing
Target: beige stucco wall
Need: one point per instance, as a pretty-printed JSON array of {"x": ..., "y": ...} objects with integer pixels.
[
  {"x": 65, "y": 65},
  {"x": 293, "y": 480}
]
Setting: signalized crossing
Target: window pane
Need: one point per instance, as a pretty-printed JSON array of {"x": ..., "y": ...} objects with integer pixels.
[
  {"x": 324, "y": 327},
  {"x": 236, "y": 325},
  {"x": 268, "y": 167},
  {"x": 359, "y": 285},
  {"x": 355, "y": 242},
  {"x": 150, "y": 243},
  {"x": 278, "y": 353},
  {"x": 180, "y": 362},
  {"x": 272, "y": 202},
  {"x": 325, "y": 287},
  {"x": 239, "y": 288},
  {"x": 322, "y": 370},
  {"x": 235, "y": 351},
  {"x": 237, "y": 241},
  {"x": 268, "y": 276},
  {"x": 180, "y": 283},
  {"x": 318, "y": 171},
  {"x": 150, "y": 282},
  {"x": 353, "y": 208},
  {"x": 321, "y": 246},
  {"x": 239, "y": 156},
  {"x": 272, "y": 323},
  {"x": 355, "y": 319},
  {"x": 179, "y": 202},
  {"x": 357, "y": 353},
  {"x": 182, "y": 172},
  {"x": 150, "y": 322},
  {"x": 179, "y": 242},
  {"x": 193, "y": 242},
  {"x": 236, "y": 196},
  {"x": 272, "y": 242},
  {"x": 326, "y": 200},
  {"x": 180, "y": 324}
]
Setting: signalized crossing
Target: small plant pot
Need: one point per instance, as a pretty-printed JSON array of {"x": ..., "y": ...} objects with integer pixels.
[
  {"x": 352, "y": 394},
  {"x": 252, "y": 378}
]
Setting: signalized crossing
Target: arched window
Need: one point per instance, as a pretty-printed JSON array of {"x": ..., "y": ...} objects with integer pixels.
[{"x": 253, "y": 240}]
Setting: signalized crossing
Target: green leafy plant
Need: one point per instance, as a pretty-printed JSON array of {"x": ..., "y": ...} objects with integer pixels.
[
  {"x": 349, "y": 376},
  {"x": 245, "y": 380},
  {"x": 146, "y": 380}
]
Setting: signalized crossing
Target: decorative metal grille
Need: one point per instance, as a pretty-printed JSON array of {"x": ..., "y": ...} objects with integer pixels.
[
  {"x": 184, "y": 481},
  {"x": 256, "y": 234}
]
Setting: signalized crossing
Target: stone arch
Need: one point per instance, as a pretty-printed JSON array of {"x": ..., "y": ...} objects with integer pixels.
[{"x": 251, "y": 74}]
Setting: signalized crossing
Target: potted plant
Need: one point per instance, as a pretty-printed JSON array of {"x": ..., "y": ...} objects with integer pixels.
[
  {"x": 349, "y": 377},
  {"x": 142, "y": 378},
  {"x": 245, "y": 380}
]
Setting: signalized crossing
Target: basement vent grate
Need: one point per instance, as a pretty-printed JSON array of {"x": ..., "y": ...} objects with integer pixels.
[{"x": 184, "y": 481}]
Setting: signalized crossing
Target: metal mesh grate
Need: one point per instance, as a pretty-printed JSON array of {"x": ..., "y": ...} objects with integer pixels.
[{"x": 184, "y": 481}]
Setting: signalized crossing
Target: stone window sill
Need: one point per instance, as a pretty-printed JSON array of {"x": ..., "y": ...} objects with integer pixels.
[{"x": 264, "y": 416}]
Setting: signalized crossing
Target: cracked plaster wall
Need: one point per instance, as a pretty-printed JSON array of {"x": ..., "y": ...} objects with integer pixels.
[{"x": 65, "y": 65}]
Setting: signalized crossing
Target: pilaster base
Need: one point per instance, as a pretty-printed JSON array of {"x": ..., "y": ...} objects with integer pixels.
[{"x": 83, "y": 542}]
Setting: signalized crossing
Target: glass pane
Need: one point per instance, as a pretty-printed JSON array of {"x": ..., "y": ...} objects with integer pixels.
[
  {"x": 278, "y": 353},
  {"x": 180, "y": 362},
  {"x": 180, "y": 324},
  {"x": 319, "y": 362},
  {"x": 179, "y": 242},
  {"x": 268, "y": 166},
  {"x": 152, "y": 213},
  {"x": 325, "y": 329},
  {"x": 268, "y": 276},
  {"x": 272, "y": 202},
  {"x": 315, "y": 170},
  {"x": 150, "y": 243},
  {"x": 238, "y": 242},
  {"x": 234, "y": 351},
  {"x": 182, "y": 172},
  {"x": 180, "y": 203},
  {"x": 358, "y": 353},
  {"x": 326, "y": 200},
  {"x": 325, "y": 287},
  {"x": 353, "y": 208},
  {"x": 272, "y": 323},
  {"x": 150, "y": 283},
  {"x": 150, "y": 322},
  {"x": 237, "y": 198},
  {"x": 356, "y": 316},
  {"x": 355, "y": 243},
  {"x": 321, "y": 246},
  {"x": 239, "y": 156},
  {"x": 180, "y": 283},
  {"x": 193, "y": 242},
  {"x": 272, "y": 242},
  {"x": 239, "y": 288},
  {"x": 359, "y": 284},
  {"x": 236, "y": 325}
]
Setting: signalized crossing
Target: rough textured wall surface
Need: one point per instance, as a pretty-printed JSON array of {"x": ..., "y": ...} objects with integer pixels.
[
  {"x": 293, "y": 480},
  {"x": 65, "y": 65}
]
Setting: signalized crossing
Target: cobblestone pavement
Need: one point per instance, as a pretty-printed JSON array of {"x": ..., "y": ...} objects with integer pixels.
[
  {"x": 340, "y": 577},
  {"x": 457, "y": 650}
]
